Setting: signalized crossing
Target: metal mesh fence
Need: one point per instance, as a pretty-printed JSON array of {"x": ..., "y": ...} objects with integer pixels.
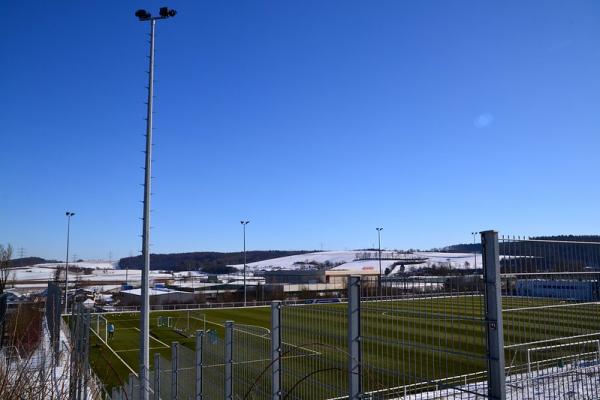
[
  {"x": 213, "y": 367},
  {"x": 251, "y": 362},
  {"x": 186, "y": 375},
  {"x": 314, "y": 351},
  {"x": 165, "y": 373},
  {"x": 423, "y": 334},
  {"x": 551, "y": 293}
]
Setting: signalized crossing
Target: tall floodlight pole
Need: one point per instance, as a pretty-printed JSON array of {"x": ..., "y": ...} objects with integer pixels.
[
  {"x": 69, "y": 214},
  {"x": 244, "y": 223},
  {"x": 474, "y": 249},
  {"x": 379, "y": 241},
  {"x": 144, "y": 16}
]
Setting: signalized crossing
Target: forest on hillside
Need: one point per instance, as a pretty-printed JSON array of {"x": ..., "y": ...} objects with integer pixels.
[{"x": 207, "y": 261}]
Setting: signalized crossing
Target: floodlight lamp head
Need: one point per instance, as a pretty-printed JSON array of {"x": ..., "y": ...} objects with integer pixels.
[
  {"x": 143, "y": 15},
  {"x": 165, "y": 12}
]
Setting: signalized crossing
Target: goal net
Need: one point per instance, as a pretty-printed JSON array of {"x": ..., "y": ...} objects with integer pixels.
[
  {"x": 99, "y": 326},
  {"x": 551, "y": 358},
  {"x": 165, "y": 322}
]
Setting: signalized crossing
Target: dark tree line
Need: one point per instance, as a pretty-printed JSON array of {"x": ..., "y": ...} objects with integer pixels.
[{"x": 209, "y": 262}]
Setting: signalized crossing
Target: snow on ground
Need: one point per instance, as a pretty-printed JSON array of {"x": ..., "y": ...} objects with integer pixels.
[
  {"x": 573, "y": 381},
  {"x": 345, "y": 260},
  {"x": 102, "y": 271},
  {"x": 297, "y": 261}
]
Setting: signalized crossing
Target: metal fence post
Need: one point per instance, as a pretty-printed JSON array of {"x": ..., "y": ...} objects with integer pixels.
[
  {"x": 130, "y": 386},
  {"x": 156, "y": 376},
  {"x": 86, "y": 354},
  {"x": 354, "y": 351},
  {"x": 174, "y": 370},
  {"x": 228, "y": 360},
  {"x": 276, "y": 350},
  {"x": 115, "y": 394},
  {"x": 199, "y": 339},
  {"x": 493, "y": 316}
]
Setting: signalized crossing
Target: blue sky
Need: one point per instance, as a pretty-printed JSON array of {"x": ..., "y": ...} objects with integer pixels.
[{"x": 316, "y": 120}]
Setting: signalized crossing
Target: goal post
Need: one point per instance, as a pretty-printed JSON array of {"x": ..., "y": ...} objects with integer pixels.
[
  {"x": 564, "y": 352},
  {"x": 165, "y": 322},
  {"x": 99, "y": 326}
]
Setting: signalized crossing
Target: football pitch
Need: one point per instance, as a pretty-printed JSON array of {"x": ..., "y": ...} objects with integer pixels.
[{"x": 404, "y": 341}]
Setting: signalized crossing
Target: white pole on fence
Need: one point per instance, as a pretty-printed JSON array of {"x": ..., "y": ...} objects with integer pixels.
[
  {"x": 130, "y": 386},
  {"x": 276, "y": 350},
  {"x": 174, "y": 370},
  {"x": 354, "y": 351},
  {"x": 228, "y": 360},
  {"x": 156, "y": 376},
  {"x": 493, "y": 316},
  {"x": 199, "y": 339}
]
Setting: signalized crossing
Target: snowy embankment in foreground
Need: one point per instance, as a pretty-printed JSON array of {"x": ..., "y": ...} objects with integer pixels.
[
  {"x": 569, "y": 382},
  {"x": 346, "y": 260}
]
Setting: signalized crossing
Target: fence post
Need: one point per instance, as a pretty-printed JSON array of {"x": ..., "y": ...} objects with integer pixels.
[
  {"x": 493, "y": 316},
  {"x": 115, "y": 394},
  {"x": 174, "y": 370},
  {"x": 86, "y": 355},
  {"x": 156, "y": 376},
  {"x": 130, "y": 386},
  {"x": 276, "y": 350},
  {"x": 199, "y": 339},
  {"x": 354, "y": 351},
  {"x": 228, "y": 360}
]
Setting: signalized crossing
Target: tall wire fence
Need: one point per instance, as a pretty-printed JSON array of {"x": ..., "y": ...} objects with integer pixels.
[
  {"x": 551, "y": 292},
  {"x": 526, "y": 326}
]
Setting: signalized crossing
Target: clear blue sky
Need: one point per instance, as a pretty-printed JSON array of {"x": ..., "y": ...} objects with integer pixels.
[{"x": 316, "y": 120}]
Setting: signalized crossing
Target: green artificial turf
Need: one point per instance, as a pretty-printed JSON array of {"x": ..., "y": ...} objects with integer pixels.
[{"x": 405, "y": 342}]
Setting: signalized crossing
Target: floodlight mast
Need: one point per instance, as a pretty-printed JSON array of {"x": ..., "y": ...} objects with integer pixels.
[
  {"x": 244, "y": 223},
  {"x": 379, "y": 256},
  {"x": 143, "y": 16},
  {"x": 68, "y": 214}
]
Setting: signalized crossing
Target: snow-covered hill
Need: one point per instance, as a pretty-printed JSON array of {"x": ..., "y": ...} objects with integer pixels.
[{"x": 346, "y": 260}]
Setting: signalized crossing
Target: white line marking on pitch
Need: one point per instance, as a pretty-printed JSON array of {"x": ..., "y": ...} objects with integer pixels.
[
  {"x": 152, "y": 337},
  {"x": 151, "y": 348},
  {"x": 262, "y": 337},
  {"x": 115, "y": 353}
]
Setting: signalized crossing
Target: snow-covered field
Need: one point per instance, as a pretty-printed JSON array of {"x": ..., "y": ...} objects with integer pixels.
[
  {"x": 97, "y": 272},
  {"x": 345, "y": 260}
]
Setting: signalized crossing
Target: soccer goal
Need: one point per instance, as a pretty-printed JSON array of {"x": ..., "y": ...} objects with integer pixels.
[
  {"x": 548, "y": 358},
  {"x": 165, "y": 322},
  {"x": 99, "y": 326}
]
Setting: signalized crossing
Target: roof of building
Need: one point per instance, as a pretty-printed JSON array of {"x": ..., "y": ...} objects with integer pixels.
[{"x": 153, "y": 291}]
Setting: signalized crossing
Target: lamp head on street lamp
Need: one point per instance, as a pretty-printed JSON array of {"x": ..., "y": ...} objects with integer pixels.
[
  {"x": 244, "y": 222},
  {"x": 379, "y": 229},
  {"x": 69, "y": 214}
]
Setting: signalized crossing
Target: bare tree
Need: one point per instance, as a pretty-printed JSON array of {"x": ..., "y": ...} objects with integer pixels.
[{"x": 5, "y": 272}]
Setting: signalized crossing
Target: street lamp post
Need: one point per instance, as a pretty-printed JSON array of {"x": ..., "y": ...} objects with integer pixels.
[
  {"x": 244, "y": 223},
  {"x": 379, "y": 241},
  {"x": 474, "y": 250},
  {"x": 69, "y": 214},
  {"x": 145, "y": 16}
]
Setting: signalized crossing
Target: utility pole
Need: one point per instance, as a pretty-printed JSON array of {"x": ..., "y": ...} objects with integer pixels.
[
  {"x": 244, "y": 223},
  {"x": 69, "y": 214},
  {"x": 144, "y": 16}
]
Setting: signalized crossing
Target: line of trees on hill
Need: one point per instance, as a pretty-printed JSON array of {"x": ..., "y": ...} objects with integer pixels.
[
  {"x": 207, "y": 261},
  {"x": 471, "y": 247}
]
